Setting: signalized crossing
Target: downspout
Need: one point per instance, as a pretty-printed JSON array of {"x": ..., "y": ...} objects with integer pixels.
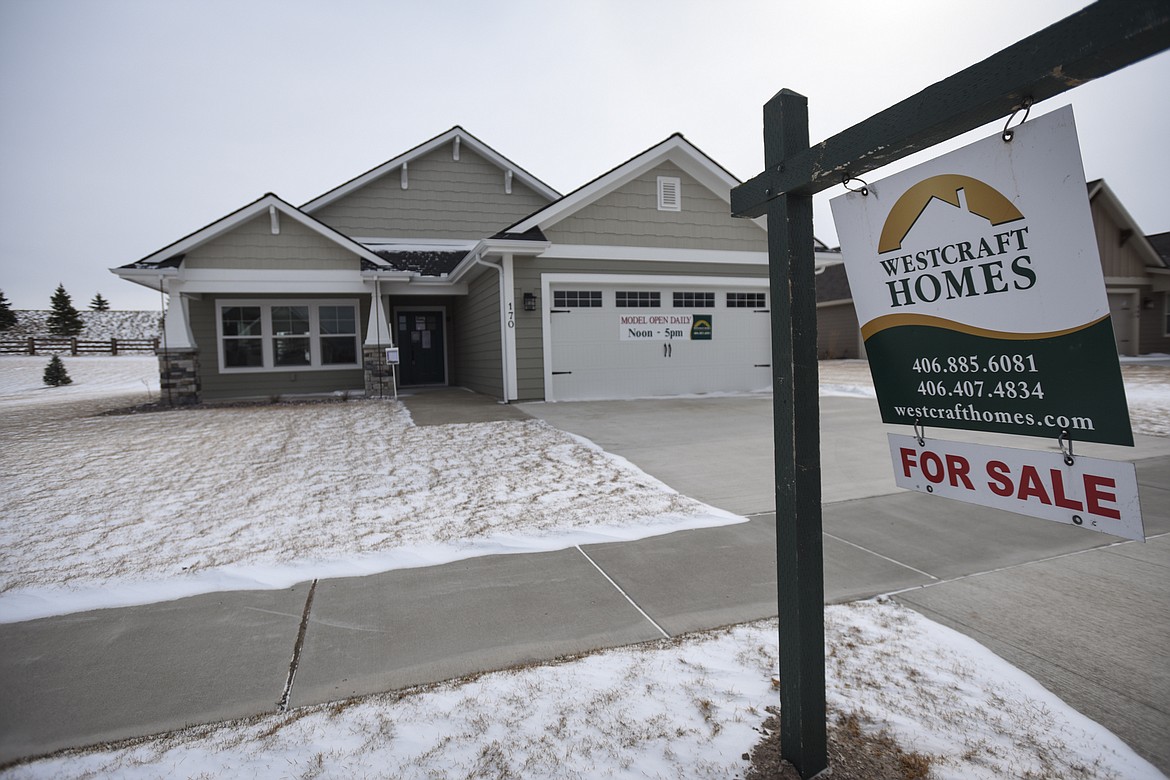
[{"x": 503, "y": 324}]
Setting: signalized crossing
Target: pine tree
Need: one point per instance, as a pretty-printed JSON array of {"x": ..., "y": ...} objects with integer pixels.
[
  {"x": 7, "y": 315},
  {"x": 55, "y": 373},
  {"x": 99, "y": 303},
  {"x": 64, "y": 319}
]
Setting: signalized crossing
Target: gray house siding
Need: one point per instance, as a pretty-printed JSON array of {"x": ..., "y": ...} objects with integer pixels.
[
  {"x": 529, "y": 333},
  {"x": 252, "y": 245},
  {"x": 1153, "y": 336},
  {"x": 444, "y": 199},
  {"x": 838, "y": 334},
  {"x": 629, "y": 216},
  {"x": 477, "y": 337},
  {"x": 264, "y": 384}
]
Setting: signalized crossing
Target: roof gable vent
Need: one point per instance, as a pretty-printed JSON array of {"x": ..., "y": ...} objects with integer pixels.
[{"x": 669, "y": 193}]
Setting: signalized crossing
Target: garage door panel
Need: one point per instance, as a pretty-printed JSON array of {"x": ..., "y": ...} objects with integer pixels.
[{"x": 594, "y": 357}]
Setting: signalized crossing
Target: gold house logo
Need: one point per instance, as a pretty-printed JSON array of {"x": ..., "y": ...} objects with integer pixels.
[{"x": 952, "y": 269}]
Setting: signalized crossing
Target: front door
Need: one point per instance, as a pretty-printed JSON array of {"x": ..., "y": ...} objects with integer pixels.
[{"x": 421, "y": 348}]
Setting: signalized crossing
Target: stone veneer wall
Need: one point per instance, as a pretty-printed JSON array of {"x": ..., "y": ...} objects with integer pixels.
[
  {"x": 179, "y": 377},
  {"x": 379, "y": 376}
]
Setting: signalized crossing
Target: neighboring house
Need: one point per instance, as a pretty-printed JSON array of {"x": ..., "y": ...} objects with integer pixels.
[
  {"x": 1137, "y": 284},
  {"x": 639, "y": 283}
]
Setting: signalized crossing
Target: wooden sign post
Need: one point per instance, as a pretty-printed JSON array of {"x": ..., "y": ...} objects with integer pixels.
[{"x": 1096, "y": 41}]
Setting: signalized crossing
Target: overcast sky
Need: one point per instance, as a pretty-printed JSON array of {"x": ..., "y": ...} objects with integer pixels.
[{"x": 127, "y": 124}]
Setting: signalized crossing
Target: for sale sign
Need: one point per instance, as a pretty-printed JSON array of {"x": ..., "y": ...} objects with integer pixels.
[
  {"x": 979, "y": 291},
  {"x": 1100, "y": 495}
]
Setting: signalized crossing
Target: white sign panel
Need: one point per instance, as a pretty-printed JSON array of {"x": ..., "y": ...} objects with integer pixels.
[
  {"x": 979, "y": 290},
  {"x": 664, "y": 327},
  {"x": 1101, "y": 495}
]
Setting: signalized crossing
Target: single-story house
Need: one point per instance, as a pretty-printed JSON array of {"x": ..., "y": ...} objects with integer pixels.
[
  {"x": 637, "y": 284},
  {"x": 1137, "y": 283}
]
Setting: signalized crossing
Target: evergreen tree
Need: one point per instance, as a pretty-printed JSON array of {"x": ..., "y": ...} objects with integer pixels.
[
  {"x": 55, "y": 373},
  {"x": 7, "y": 315},
  {"x": 99, "y": 303},
  {"x": 64, "y": 319}
]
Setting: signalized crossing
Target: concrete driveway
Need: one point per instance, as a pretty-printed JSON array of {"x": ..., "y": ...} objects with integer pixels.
[{"x": 1083, "y": 613}]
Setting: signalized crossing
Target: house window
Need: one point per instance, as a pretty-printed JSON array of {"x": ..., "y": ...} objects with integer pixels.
[
  {"x": 576, "y": 299},
  {"x": 694, "y": 300},
  {"x": 338, "y": 335},
  {"x": 291, "y": 341},
  {"x": 747, "y": 300},
  {"x": 278, "y": 335},
  {"x": 638, "y": 299},
  {"x": 241, "y": 336},
  {"x": 669, "y": 193}
]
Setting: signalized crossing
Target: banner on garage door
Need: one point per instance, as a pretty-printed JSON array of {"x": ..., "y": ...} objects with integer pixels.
[
  {"x": 664, "y": 327},
  {"x": 980, "y": 294},
  {"x": 1100, "y": 495}
]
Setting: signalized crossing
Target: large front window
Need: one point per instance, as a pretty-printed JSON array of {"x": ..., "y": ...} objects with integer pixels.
[{"x": 287, "y": 335}]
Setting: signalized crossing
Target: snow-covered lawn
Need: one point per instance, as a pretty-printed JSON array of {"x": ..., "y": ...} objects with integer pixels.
[
  {"x": 99, "y": 510},
  {"x": 115, "y": 510}
]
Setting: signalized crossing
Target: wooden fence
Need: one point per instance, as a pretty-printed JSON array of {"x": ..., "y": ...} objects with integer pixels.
[{"x": 75, "y": 346}]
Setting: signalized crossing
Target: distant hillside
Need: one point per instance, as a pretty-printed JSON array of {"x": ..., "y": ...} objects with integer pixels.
[{"x": 98, "y": 325}]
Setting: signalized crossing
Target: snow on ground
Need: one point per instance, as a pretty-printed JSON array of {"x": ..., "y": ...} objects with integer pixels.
[
  {"x": 142, "y": 506},
  {"x": 115, "y": 510},
  {"x": 689, "y": 707}
]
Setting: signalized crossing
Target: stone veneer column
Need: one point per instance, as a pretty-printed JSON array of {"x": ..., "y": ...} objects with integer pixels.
[
  {"x": 379, "y": 376},
  {"x": 178, "y": 371}
]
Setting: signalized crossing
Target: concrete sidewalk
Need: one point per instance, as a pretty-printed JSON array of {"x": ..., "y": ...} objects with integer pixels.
[{"x": 1055, "y": 600}]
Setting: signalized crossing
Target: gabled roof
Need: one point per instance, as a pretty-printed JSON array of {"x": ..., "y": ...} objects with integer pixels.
[
  {"x": 171, "y": 255},
  {"x": 1099, "y": 191},
  {"x": 1161, "y": 244},
  {"x": 423, "y": 149},
  {"x": 675, "y": 149}
]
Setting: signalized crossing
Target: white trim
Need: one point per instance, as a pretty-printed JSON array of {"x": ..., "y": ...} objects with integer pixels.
[
  {"x": 508, "y": 321},
  {"x": 547, "y": 280},
  {"x": 415, "y": 244},
  {"x": 378, "y": 319},
  {"x": 422, "y": 150},
  {"x": 266, "y": 336},
  {"x": 654, "y": 254},
  {"x": 177, "y": 323}
]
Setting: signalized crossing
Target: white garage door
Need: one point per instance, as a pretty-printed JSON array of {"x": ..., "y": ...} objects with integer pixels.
[{"x": 620, "y": 340}]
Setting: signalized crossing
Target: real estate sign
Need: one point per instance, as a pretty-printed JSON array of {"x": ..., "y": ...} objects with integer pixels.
[
  {"x": 979, "y": 290},
  {"x": 1100, "y": 495}
]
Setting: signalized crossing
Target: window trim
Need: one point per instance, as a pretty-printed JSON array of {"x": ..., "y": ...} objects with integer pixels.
[{"x": 268, "y": 337}]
